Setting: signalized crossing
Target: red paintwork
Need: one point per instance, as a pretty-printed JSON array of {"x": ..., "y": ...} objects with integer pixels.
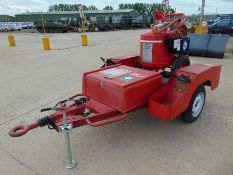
[
  {"x": 120, "y": 94},
  {"x": 168, "y": 17},
  {"x": 132, "y": 61},
  {"x": 159, "y": 16},
  {"x": 57, "y": 116},
  {"x": 164, "y": 102},
  {"x": 101, "y": 115},
  {"x": 171, "y": 17},
  {"x": 22, "y": 129},
  {"x": 112, "y": 97},
  {"x": 105, "y": 122},
  {"x": 161, "y": 57},
  {"x": 171, "y": 103}
]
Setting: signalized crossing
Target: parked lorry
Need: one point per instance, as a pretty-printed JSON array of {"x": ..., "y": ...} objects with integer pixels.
[
  {"x": 121, "y": 21},
  {"x": 221, "y": 24},
  {"x": 58, "y": 26},
  {"x": 66, "y": 24},
  {"x": 27, "y": 25},
  {"x": 137, "y": 21},
  {"x": 88, "y": 27},
  {"x": 103, "y": 23}
]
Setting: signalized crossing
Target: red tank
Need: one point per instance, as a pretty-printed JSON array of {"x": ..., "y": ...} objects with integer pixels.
[{"x": 153, "y": 52}]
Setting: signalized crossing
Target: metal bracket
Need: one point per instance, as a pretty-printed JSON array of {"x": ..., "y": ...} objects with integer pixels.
[{"x": 64, "y": 129}]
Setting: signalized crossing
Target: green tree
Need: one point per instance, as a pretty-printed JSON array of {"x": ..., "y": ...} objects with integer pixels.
[
  {"x": 108, "y": 7},
  {"x": 67, "y": 7},
  {"x": 170, "y": 10},
  {"x": 85, "y": 7},
  {"x": 92, "y": 7},
  {"x": 146, "y": 8},
  {"x": 126, "y": 6},
  {"x": 140, "y": 8}
]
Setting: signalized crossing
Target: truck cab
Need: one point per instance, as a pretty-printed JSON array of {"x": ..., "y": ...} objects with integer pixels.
[{"x": 221, "y": 24}]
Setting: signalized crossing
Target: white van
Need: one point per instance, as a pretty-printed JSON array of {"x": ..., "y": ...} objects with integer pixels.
[
  {"x": 16, "y": 26},
  {"x": 3, "y": 26},
  {"x": 12, "y": 26}
]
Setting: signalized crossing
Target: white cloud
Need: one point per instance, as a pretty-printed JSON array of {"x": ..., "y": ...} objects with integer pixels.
[{"x": 12, "y": 7}]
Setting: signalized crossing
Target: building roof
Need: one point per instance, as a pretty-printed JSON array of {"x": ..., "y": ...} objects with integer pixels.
[
  {"x": 75, "y": 12},
  {"x": 6, "y": 16}
]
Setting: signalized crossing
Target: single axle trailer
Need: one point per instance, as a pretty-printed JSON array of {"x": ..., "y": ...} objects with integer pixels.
[{"x": 160, "y": 78}]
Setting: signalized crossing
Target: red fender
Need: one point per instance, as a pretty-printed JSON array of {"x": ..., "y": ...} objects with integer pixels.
[{"x": 174, "y": 98}]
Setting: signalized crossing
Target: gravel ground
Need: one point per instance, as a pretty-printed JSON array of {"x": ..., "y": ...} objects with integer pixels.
[{"x": 31, "y": 78}]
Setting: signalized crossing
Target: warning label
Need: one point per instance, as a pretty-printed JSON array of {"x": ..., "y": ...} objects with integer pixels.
[
  {"x": 127, "y": 78},
  {"x": 138, "y": 75},
  {"x": 114, "y": 72},
  {"x": 147, "y": 52}
]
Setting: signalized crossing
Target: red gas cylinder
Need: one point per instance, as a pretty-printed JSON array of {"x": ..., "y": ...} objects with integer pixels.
[
  {"x": 153, "y": 52},
  {"x": 159, "y": 16}
]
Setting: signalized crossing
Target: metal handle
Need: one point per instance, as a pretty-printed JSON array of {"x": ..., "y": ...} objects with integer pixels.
[
  {"x": 108, "y": 121},
  {"x": 102, "y": 59},
  {"x": 45, "y": 109},
  {"x": 20, "y": 130}
]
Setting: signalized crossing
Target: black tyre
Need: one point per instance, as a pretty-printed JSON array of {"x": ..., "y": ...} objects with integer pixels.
[
  {"x": 180, "y": 61},
  {"x": 196, "y": 105},
  {"x": 105, "y": 28}
]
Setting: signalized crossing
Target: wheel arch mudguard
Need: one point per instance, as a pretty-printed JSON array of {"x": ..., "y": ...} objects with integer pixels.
[{"x": 174, "y": 97}]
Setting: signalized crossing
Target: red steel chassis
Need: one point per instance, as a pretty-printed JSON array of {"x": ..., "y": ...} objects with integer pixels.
[{"x": 167, "y": 103}]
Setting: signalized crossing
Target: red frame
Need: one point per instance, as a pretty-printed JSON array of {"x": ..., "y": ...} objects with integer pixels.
[
  {"x": 170, "y": 102},
  {"x": 175, "y": 16},
  {"x": 102, "y": 114}
]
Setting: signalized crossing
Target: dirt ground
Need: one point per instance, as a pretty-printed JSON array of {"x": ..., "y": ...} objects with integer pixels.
[{"x": 31, "y": 78}]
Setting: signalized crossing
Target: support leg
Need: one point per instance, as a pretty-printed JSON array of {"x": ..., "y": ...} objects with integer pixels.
[{"x": 66, "y": 128}]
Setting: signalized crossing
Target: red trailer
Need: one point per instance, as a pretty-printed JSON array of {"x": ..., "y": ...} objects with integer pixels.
[{"x": 161, "y": 78}]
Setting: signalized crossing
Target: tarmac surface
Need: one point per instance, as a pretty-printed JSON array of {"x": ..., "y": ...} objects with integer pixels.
[{"x": 31, "y": 78}]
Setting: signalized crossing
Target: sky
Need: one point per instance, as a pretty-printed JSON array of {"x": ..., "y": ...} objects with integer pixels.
[{"x": 12, "y": 7}]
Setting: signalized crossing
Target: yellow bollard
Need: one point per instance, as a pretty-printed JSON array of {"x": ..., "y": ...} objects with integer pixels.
[
  {"x": 11, "y": 40},
  {"x": 84, "y": 40},
  {"x": 46, "y": 43}
]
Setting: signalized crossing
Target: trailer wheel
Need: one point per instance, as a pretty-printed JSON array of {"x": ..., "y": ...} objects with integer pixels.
[
  {"x": 180, "y": 61},
  {"x": 196, "y": 105}
]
